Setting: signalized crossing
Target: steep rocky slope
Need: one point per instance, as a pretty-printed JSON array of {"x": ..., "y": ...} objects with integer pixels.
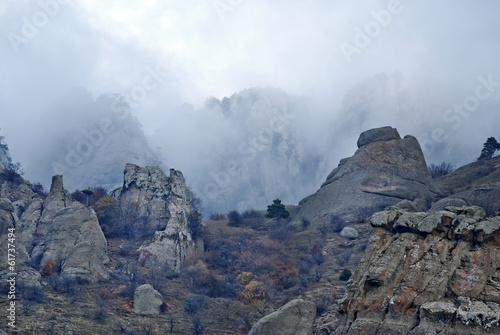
[
  {"x": 167, "y": 205},
  {"x": 65, "y": 232},
  {"x": 385, "y": 170},
  {"x": 427, "y": 273}
]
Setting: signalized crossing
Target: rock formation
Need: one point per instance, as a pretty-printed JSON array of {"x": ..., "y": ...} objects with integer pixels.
[
  {"x": 65, "y": 232},
  {"x": 384, "y": 171},
  {"x": 485, "y": 196},
  {"x": 427, "y": 273},
  {"x": 168, "y": 205},
  {"x": 294, "y": 318},
  {"x": 147, "y": 300}
]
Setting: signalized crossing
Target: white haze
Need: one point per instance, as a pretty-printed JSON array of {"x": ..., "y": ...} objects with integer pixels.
[{"x": 438, "y": 48}]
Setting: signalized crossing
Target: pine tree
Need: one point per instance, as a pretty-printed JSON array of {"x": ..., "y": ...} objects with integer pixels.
[
  {"x": 277, "y": 210},
  {"x": 489, "y": 148}
]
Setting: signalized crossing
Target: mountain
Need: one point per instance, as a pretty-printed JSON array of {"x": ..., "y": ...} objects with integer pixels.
[
  {"x": 91, "y": 144},
  {"x": 385, "y": 170},
  {"x": 260, "y": 151}
]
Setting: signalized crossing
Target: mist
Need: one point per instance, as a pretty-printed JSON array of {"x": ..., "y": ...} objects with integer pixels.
[{"x": 330, "y": 70}]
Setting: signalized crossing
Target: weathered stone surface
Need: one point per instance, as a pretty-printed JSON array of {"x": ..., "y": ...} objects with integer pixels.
[
  {"x": 147, "y": 300},
  {"x": 486, "y": 196},
  {"x": 294, "y": 318},
  {"x": 66, "y": 232},
  {"x": 9, "y": 220},
  {"x": 168, "y": 205},
  {"x": 383, "y": 134},
  {"x": 384, "y": 171},
  {"x": 349, "y": 232},
  {"x": 426, "y": 273}
]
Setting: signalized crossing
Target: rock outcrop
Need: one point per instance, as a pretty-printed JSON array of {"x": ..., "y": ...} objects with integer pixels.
[
  {"x": 384, "y": 171},
  {"x": 294, "y": 318},
  {"x": 11, "y": 233},
  {"x": 65, "y": 232},
  {"x": 485, "y": 196},
  {"x": 147, "y": 300},
  {"x": 168, "y": 205},
  {"x": 427, "y": 273}
]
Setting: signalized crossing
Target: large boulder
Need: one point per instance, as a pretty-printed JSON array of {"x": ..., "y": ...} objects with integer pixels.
[
  {"x": 384, "y": 171},
  {"x": 65, "y": 232},
  {"x": 426, "y": 273},
  {"x": 147, "y": 300},
  {"x": 168, "y": 205},
  {"x": 294, "y": 318}
]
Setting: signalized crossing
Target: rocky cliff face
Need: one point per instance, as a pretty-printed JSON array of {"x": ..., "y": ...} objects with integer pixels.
[
  {"x": 168, "y": 205},
  {"x": 260, "y": 152},
  {"x": 385, "y": 170},
  {"x": 65, "y": 232},
  {"x": 427, "y": 273}
]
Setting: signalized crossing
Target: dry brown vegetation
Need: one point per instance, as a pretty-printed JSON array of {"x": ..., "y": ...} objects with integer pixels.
[{"x": 242, "y": 274}]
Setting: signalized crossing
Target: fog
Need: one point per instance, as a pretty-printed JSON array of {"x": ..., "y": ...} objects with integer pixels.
[{"x": 357, "y": 65}]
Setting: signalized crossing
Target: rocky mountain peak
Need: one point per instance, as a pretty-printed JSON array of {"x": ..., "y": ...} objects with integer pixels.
[
  {"x": 385, "y": 170},
  {"x": 378, "y": 134}
]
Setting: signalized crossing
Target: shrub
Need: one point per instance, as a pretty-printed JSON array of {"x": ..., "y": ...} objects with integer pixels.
[
  {"x": 48, "y": 268},
  {"x": 108, "y": 214},
  {"x": 255, "y": 291},
  {"x": 194, "y": 224},
  {"x": 277, "y": 210},
  {"x": 337, "y": 223},
  {"x": 38, "y": 189},
  {"x": 345, "y": 274},
  {"x": 217, "y": 217},
  {"x": 489, "y": 147},
  {"x": 283, "y": 274},
  {"x": 343, "y": 258},
  {"x": 194, "y": 304},
  {"x": 322, "y": 304},
  {"x": 245, "y": 278},
  {"x": 442, "y": 169},
  {"x": 234, "y": 218},
  {"x": 317, "y": 254}
]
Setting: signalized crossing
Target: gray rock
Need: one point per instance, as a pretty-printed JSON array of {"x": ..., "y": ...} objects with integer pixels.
[
  {"x": 65, "y": 232},
  {"x": 350, "y": 233},
  {"x": 380, "y": 174},
  {"x": 426, "y": 273},
  {"x": 147, "y": 300},
  {"x": 486, "y": 196},
  {"x": 383, "y": 134},
  {"x": 294, "y": 318},
  {"x": 168, "y": 205}
]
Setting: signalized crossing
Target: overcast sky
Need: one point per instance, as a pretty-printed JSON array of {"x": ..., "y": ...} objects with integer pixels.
[{"x": 201, "y": 48}]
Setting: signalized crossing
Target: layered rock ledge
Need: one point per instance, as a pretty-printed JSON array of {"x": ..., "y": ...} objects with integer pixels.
[{"x": 427, "y": 273}]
